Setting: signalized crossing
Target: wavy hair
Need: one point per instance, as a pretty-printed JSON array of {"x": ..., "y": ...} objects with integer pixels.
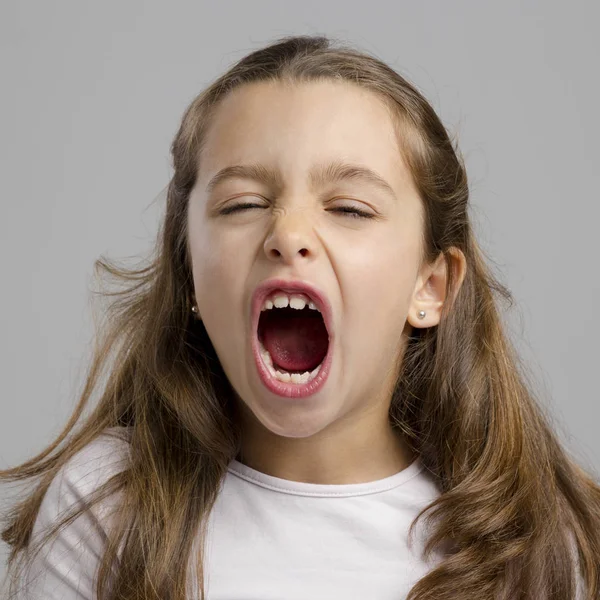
[{"x": 522, "y": 518}]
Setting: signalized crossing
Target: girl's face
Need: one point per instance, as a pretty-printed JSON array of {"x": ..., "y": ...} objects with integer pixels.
[{"x": 368, "y": 268}]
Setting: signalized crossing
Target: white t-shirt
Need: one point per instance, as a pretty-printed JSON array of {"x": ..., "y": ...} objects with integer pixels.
[{"x": 268, "y": 538}]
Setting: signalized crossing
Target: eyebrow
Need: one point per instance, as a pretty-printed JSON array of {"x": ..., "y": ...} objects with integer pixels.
[{"x": 334, "y": 171}]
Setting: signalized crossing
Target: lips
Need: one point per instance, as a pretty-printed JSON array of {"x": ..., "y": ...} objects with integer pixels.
[{"x": 291, "y": 391}]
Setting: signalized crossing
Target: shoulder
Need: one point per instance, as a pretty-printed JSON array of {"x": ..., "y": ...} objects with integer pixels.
[
  {"x": 65, "y": 567},
  {"x": 96, "y": 462},
  {"x": 83, "y": 473}
]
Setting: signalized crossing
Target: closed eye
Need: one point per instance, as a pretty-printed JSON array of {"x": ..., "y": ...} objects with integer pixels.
[{"x": 355, "y": 213}]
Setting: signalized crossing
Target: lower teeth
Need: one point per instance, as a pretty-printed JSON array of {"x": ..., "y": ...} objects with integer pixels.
[{"x": 286, "y": 377}]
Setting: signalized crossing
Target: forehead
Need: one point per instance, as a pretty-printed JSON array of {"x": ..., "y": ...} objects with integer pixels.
[{"x": 293, "y": 128}]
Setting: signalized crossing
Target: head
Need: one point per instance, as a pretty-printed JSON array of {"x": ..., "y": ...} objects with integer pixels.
[
  {"x": 512, "y": 500},
  {"x": 296, "y": 132}
]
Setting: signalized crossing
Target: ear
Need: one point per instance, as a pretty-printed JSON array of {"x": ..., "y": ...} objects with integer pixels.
[{"x": 430, "y": 289}]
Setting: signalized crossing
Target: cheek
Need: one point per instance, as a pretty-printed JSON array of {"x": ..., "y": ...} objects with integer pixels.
[
  {"x": 378, "y": 282},
  {"x": 217, "y": 259},
  {"x": 218, "y": 282},
  {"x": 384, "y": 266}
]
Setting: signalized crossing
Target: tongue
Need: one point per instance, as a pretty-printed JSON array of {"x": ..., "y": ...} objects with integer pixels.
[{"x": 296, "y": 340}]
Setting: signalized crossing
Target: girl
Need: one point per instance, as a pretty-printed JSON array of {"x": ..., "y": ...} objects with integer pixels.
[{"x": 313, "y": 361}]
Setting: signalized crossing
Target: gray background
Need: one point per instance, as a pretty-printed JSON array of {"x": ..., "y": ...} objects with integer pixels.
[{"x": 92, "y": 95}]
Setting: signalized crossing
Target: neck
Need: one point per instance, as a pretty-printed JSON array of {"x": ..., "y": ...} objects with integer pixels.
[{"x": 360, "y": 451}]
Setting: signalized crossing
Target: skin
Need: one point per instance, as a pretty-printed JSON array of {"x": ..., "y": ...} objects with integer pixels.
[{"x": 369, "y": 269}]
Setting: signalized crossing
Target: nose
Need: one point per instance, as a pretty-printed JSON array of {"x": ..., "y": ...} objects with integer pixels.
[{"x": 291, "y": 236}]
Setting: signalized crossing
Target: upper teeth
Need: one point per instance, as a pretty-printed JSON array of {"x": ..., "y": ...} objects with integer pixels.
[{"x": 281, "y": 300}]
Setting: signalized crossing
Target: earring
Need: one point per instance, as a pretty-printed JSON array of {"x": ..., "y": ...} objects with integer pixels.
[
  {"x": 421, "y": 314},
  {"x": 195, "y": 309}
]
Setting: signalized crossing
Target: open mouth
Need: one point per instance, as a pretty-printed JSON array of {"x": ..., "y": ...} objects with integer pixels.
[
  {"x": 293, "y": 337},
  {"x": 293, "y": 342}
]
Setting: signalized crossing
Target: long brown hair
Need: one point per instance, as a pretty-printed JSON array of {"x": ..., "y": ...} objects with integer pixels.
[{"x": 521, "y": 515}]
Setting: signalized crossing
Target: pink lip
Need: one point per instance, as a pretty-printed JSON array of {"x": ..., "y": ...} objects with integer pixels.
[{"x": 291, "y": 390}]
